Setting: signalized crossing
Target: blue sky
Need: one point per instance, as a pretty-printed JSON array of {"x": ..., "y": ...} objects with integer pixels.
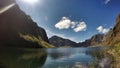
[{"x": 76, "y": 20}]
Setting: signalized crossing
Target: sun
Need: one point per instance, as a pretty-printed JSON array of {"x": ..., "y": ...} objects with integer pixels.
[{"x": 31, "y": 1}]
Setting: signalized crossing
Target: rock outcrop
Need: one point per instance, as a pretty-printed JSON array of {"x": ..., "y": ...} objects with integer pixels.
[
  {"x": 113, "y": 36},
  {"x": 93, "y": 41}
]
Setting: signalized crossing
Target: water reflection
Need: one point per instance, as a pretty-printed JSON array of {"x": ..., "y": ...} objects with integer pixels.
[
  {"x": 78, "y": 58},
  {"x": 22, "y": 58},
  {"x": 96, "y": 57}
]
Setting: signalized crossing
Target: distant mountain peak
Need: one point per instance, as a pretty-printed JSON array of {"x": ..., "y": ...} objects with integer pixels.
[{"x": 61, "y": 42}]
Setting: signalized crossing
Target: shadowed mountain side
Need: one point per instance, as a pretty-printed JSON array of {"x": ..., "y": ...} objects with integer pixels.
[
  {"x": 61, "y": 42},
  {"x": 4, "y": 3},
  {"x": 14, "y": 22},
  {"x": 93, "y": 41}
]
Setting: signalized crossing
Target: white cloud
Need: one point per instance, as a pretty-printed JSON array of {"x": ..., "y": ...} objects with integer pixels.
[
  {"x": 107, "y": 1},
  {"x": 66, "y": 23},
  {"x": 101, "y": 29},
  {"x": 73, "y": 24},
  {"x": 81, "y": 27}
]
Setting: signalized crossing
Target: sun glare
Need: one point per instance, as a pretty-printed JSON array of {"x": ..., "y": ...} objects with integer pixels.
[{"x": 31, "y": 1}]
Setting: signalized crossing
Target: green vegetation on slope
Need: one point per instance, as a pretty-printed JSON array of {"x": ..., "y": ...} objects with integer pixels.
[{"x": 36, "y": 40}]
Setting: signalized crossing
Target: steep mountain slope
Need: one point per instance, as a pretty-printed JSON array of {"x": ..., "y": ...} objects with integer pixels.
[
  {"x": 97, "y": 39},
  {"x": 18, "y": 29},
  {"x": 113, "y": 37},
  {"x": 93, "y": 41},
  {"x": 61, "y": 42}
]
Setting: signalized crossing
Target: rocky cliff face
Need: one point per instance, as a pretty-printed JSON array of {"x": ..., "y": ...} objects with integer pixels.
[
  {"x": 61, "y": 42},
  {"x": 14, "y": 22},
  {"x": 113, "y": 37},
  {"x": 93, "y": 41},
  {"x": 97, "y": 39}
]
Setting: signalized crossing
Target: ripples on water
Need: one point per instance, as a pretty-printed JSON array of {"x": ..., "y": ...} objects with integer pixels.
[{"x": 55, "y": 58}]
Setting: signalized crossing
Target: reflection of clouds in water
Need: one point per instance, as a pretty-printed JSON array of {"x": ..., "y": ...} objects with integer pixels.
[
  {"x": 68, "y": 53},
  {"x": 76, "y": 65},
  {"x": 63, "y": 55},
  {"x": 79, "y": 65},
  {"x": 73, "y": 58},
  {"x": 67, "y": 50},
  {"x": 78, "y": 55}
]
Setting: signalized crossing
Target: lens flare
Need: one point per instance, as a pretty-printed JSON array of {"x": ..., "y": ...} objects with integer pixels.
[{"x": 31, "y": 1}]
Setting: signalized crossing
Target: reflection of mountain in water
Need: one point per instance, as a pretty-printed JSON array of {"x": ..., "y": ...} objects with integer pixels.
[
  {"x": 22, "y": 58},
  {"x": 91, "y": 57}
]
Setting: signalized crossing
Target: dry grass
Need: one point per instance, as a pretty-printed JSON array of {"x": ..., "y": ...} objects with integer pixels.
[{"x": 37, "y": 40}]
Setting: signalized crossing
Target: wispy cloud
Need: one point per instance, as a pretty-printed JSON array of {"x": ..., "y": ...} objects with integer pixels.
[
  {"x": 107, "y": 1},
  {"x": 66, "y": 23},
  {"x": 103, "y": 30}
]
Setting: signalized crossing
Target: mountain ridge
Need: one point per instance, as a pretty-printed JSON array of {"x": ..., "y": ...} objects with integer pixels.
[
  {"x": 113, "y": 36},
  {"x": 18, "y": 29},
  {"x": 60, "y": 42}
]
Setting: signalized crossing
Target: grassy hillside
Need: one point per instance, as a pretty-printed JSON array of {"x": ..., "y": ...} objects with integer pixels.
[{"x": 36, "y": 40}]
